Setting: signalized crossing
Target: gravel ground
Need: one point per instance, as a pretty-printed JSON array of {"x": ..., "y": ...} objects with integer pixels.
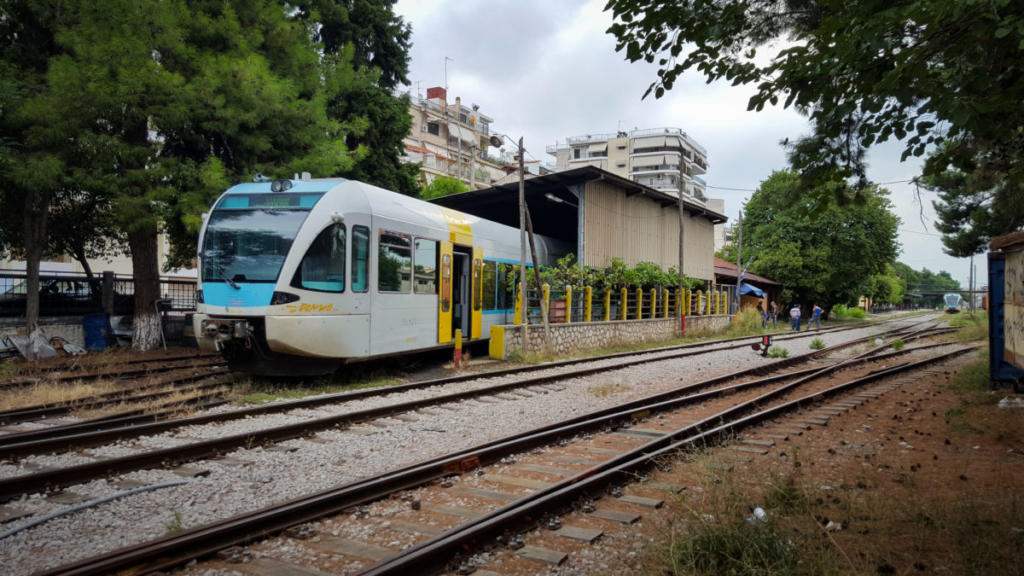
[{"x": 250, "y": 479}]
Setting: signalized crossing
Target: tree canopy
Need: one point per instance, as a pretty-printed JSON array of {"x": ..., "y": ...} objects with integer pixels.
[
  {"x": 942, "y": 76},
  {"x": 139, "y": 113},
  {"x": 828, "y": 258},
  {"x": 442, "y": 186}
]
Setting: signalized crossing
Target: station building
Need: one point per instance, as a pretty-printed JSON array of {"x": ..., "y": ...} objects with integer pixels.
[{"x": 599, "y": 215}]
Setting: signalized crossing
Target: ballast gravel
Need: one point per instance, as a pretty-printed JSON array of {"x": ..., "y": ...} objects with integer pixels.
[{"x": 250, "y": 479}]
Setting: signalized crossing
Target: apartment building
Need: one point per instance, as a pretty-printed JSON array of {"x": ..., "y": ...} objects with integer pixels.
[
  {"x": 453, "y": 140},
  {"x": 666, "y": 159}
]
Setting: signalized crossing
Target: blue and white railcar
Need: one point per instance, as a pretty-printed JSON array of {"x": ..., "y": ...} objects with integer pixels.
[
  {"x": 953, "y": 302},
  {"x": 299, "y": 276}
]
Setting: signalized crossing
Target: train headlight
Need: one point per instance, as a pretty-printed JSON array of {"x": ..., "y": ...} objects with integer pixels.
[{"x": 282, "y": 298}]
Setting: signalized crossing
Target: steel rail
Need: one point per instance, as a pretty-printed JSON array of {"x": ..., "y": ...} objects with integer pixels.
[
  {"x": 84, "y": 437},
  {"x": 428, "y": 557},
  {"x": 150, "y": 391},
  {"x": 194, "y": 362},
  {"x": 63, "y": 477},
  {"x": 201, "y": 541}
]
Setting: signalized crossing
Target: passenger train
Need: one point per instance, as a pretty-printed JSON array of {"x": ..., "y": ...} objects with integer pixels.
[
  {"x": 300, "y": 276},
  {"x": 952, "y": 302}
]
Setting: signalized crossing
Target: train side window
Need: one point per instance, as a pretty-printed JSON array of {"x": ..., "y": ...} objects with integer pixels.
[
  {"x": 394, "y": 263},
  {"x": 425, "y": 267},
  {"x": 323, "y": 267},
  {"x": 360, "y": 258},
  {"x": 490, "y": 283}
]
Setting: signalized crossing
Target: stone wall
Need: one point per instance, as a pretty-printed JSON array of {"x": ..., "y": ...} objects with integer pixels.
[{"x": 567, "y": 339}]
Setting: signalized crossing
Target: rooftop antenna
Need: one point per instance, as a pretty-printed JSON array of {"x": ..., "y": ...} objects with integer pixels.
[{"x": 446, "y": 59}]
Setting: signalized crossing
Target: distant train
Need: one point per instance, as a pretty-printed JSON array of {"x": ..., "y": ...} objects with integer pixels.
[
  {"x": 300, "y": 276},
  {"x": 953, "y": 302}
]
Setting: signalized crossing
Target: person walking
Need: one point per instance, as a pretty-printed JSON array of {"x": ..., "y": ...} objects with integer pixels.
[
  {"x": 794, "y": 314},
  {"x": 815, "y": 318},
  {"x": 764, "y": 315},
  {"x": 773, "y": 312}
]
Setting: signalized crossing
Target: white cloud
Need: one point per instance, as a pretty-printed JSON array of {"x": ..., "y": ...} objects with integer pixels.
[{"x": 548, "y": 70}]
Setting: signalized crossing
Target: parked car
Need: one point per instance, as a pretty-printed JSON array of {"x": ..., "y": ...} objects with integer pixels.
[{"x": 56, "y": 296}]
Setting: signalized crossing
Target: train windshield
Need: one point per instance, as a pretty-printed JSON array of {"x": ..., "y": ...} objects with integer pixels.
[{"x": 247, "y": 237}]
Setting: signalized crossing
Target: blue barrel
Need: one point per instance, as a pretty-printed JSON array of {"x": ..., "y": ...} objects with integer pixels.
[{"x": 95, "y": 326}]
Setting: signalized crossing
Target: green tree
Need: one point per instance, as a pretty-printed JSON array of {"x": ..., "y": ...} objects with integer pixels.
[
  {"x": 442, "y": 186},
  {"x": 158, "y": 105},
  {"x": 823, "y": 256},
  {"x": 942, "y": 76},
  {"x": 377, "y": 42}
]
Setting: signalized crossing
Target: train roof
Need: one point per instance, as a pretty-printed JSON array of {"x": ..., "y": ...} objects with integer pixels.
[{"x": 354, "y": 196}]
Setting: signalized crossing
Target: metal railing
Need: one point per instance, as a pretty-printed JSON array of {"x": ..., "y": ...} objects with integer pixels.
[
  {"x": 571, "y": 304},
  {"x": 62, "y": 294}
]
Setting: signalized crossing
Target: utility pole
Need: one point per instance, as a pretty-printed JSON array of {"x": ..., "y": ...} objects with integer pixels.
[
  {"x": 970, "y": 293},
  {"x": 536, "y": 277},
  {"x": 682, "y": 225},
  {"x": 522, "y": 246},
  {"x": 739, "y": 257}
]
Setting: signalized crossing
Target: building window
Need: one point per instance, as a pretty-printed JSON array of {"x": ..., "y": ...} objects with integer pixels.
[
  {"x": 323, "y": 267},
  {"x": 463, "y": 118},
  {"x": 425, "y": 267},
  {"x": 394, "y": 262},
  {"x": 576, "y": 153},
  {"x": 434, "y": 128}
]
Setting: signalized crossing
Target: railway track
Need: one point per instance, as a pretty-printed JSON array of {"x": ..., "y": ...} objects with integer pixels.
[
  {"x": 510, "y": 483},
  {"x": 183, "y": 382},
  {"x": 83, "y": 435},
  {"x": 126, "y": 369},
  {"x": 75, "y": 439}
]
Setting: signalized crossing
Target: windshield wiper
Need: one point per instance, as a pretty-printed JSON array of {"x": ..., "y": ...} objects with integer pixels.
[{"x": 220, "y": 272}]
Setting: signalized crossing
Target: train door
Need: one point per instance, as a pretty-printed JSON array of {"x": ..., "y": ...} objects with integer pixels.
[
  {"x": 461, "y": 285},
  {"x": 444, "y": 297}
]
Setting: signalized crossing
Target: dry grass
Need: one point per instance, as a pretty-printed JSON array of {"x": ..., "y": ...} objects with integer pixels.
[
  {"x": 603, "y": 389},
  {"x": 46, "y": 393}
]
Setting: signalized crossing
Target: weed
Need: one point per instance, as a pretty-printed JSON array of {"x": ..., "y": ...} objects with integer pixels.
[
  {"x": 778, "y": 352},
  {"x": 605, "y": 389},
  {"x": 784, "y": 496},
  {"x": 174, "y": 525},
  {"x": 841, "y": 312},
  {"x": 972, "y": 326},
  {"x": 898, "y": 344},
  {"x": 817, "y": 344},
  {"x": 263, "y": 391},
  {"x": 746, "y": 323}
]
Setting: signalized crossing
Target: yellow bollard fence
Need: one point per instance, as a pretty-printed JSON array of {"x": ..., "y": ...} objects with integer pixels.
[
  {"x": 639, "y": 303},
  {"x": 654, "y": 303},
  {"x": 608, "y": 304},
  {"x": 664, "y": 302},
  {"x": 623, "y": 304},
  {"x": 568, "y": 304},
  {"x": 588, "y": 295}
]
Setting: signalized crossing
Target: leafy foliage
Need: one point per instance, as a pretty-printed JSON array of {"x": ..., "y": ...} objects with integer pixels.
[
  {"x": 442, "y": 186},
  {"x": 821, "y": 255},
  {"x": 942, "y": 76}
]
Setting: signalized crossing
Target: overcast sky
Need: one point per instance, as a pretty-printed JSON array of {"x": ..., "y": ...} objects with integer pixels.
[{"x": 547, "y": 70}]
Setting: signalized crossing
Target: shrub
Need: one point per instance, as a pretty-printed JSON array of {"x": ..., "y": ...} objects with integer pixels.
[
  {"x": 842, "y": 312},
  {"x": 777, "y": 352},
  {"x": 898, "y": 344},
  {"x": 817, "y": 344}
]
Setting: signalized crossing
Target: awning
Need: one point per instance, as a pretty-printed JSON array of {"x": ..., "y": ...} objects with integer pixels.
[
  {"x": 649, "y": 142},
  {"x": 648, "y": 161},
  {"x": 597, "y": 147},
  {"x": 751, "y": 289},
  {"x": 464, "y": 134}
]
